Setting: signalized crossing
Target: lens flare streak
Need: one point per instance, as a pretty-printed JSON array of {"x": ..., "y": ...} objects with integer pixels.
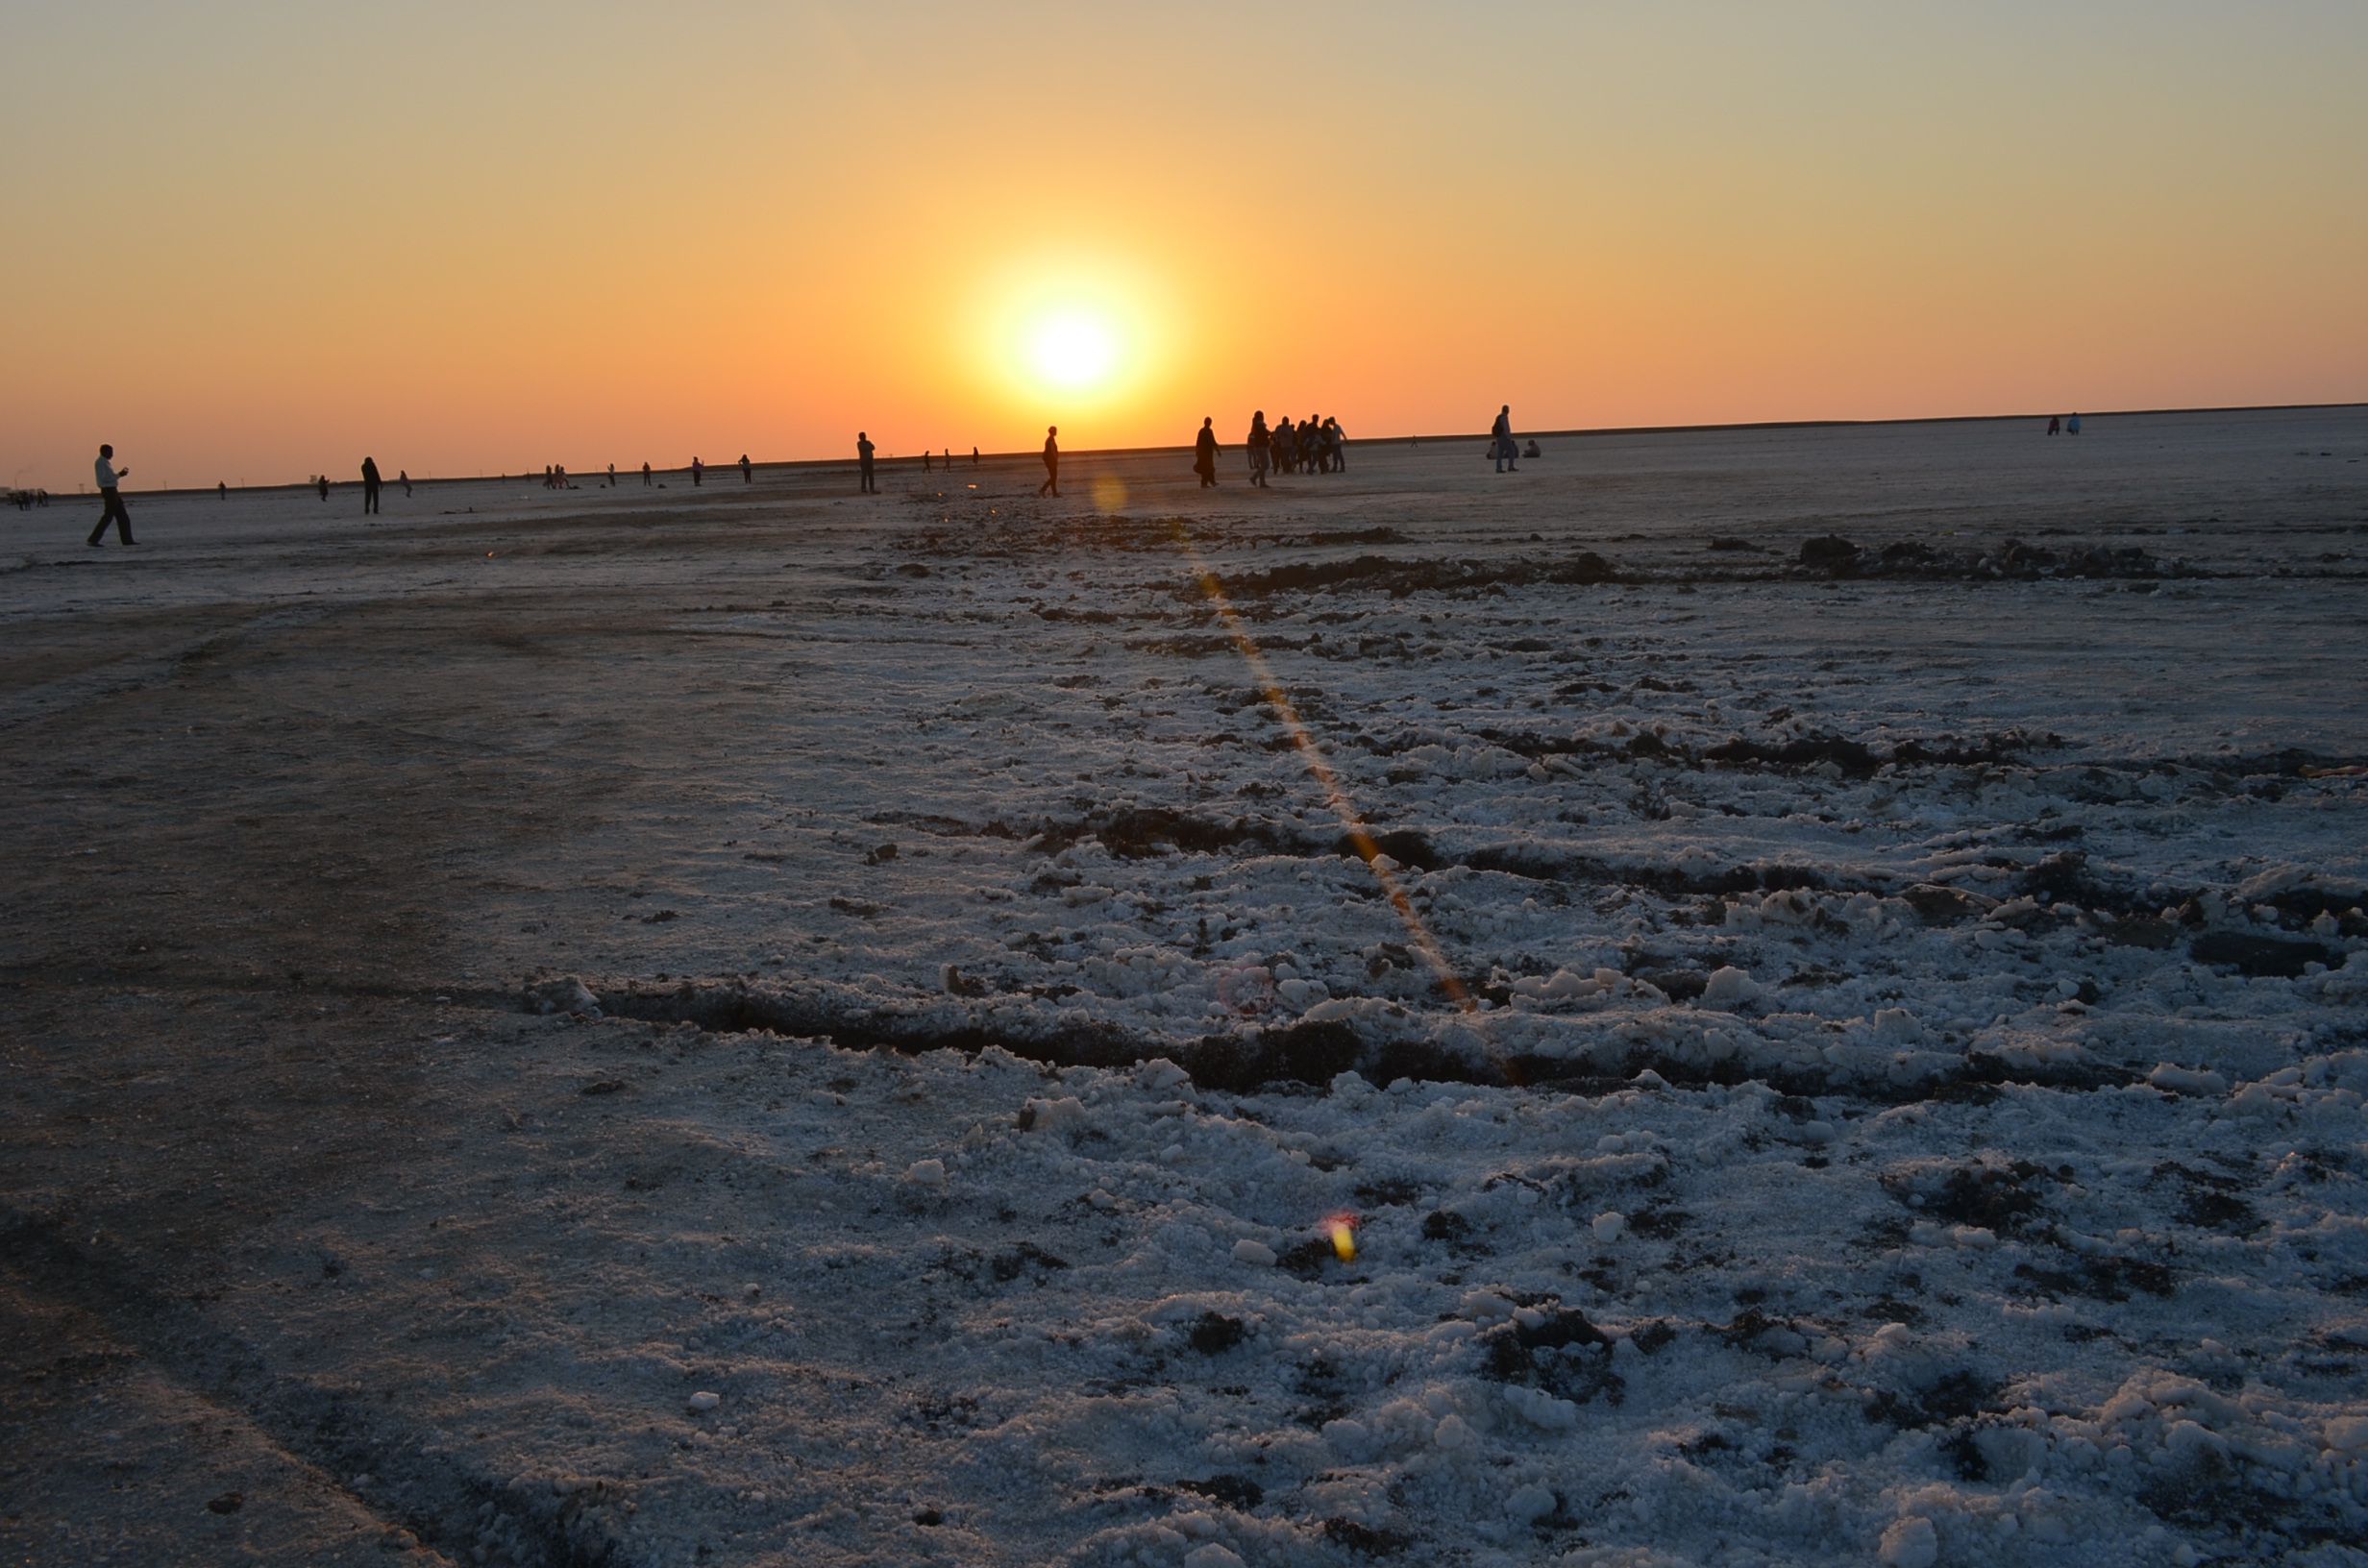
[{"x": 1351, "y": 821}]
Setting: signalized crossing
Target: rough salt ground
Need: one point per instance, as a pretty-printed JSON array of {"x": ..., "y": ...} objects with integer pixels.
[{"x": 1932, "y": 1197}]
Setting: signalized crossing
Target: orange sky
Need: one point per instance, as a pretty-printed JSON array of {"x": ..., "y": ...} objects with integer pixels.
[{"x": 253, "y": 241}]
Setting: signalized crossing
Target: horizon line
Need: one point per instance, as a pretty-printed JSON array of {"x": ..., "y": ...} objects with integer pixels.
[{"x": 1573, "y": 432}]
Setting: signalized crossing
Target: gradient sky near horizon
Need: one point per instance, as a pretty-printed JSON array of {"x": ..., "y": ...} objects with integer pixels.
[{"x": 255, "y": 240}]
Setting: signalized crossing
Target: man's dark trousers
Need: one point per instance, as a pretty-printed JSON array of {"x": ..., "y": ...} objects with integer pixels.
[{"x": 115, "y": 514}]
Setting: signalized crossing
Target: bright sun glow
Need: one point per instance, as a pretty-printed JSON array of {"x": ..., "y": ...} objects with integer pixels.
[
  {"x": 1071, "y": 334},
  {"x": 1073, "y": 351}
]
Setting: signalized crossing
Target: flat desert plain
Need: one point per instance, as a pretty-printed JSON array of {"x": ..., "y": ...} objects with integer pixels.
[{"x": 755, "y": 1025}]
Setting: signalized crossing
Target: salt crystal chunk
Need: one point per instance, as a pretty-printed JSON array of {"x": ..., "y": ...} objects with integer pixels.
[
  {"x": 1041, "y": 1116},
  {"x": 2178, "y": 1080},
  {"x": 1897, "y": 1026},
  {"x": 1160, "y": 1073},
  {"x": 1529, "y": 1502},
  {"x": 1211, "y": 1555},
  {"x": 1483, "y": 1306},
  {"x": 1911, "y": 1543},
  {"x": 927, "y": 1173},
  {"x": 1257, "y": 1254},
  {"x": 1354, "y": 1440},
  {"x": 1728, "y": 987},
  {"x": 1609, "y": 1226},
  {"x": 703, "y": 1401}
]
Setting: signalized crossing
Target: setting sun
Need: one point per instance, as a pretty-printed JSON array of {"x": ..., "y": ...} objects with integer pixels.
[
  {"x": 1073, "y": 351},
  {"x": 1072, "y": 326}
]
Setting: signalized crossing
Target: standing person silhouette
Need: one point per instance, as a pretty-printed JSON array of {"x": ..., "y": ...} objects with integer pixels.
[
  {"x": 369, "y": 485},
  {"x": 949, "y": 460},
  {"x": 324, "y": 483},
  {"x": 1052, "y": 463},
  {"x": 973, "y": 456},
  {"x": 111, "y": 499},
  {"x": 1502, "y": 430},
  {"x": 698, "y": 473},
  {"x": 222, "y": 490},
  {"x": 403, "y": 478},
  {"x": 1261, "y": 445},
  {"x": 925, "y": 459},
  {"x": 744, "y": 469},
  {"x": 645, "y": 474},
  {"x": 863, "y": 463},
  {"x": 612, "y": 476},
  {"x": 1204, "y": 453}
]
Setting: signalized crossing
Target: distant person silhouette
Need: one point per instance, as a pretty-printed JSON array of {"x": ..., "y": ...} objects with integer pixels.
[
  {"x": 612, "y": 476},
  {"x": 863, "y": 463},
  {"x": 2072, "y": 426},
  {"x": 369, "y": 486},
  {"x": 949, "y": 460},
  {"x": 1204, "y": 453},
  {"x": 111, "y": 499},
  {"x": 973, "y": 456},
  {"x": 1502, "y": 446},
  {"x": 1531, "y": 450},
  {"x": 2054, "y": 424},
  {"x": 1052, "y": 463},
  {"x": 324, "y": 483},
  {"x": 699, "y": 472},
  {"x": 222, "y": 490},
  {"x": 403, "y": 478},
  {"x": 744, "y": 467},
  {"x": 645, "y": 475},
  {"x": 925, "y": 459},
  {"x": 1261, "y": 444}
]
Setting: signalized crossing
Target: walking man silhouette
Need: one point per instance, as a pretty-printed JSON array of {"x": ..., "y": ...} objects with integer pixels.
[
  {"x": 863, "y": 463},
  {"x": 112, "y": 500},
  {"x": 1052, "y": 463},
  {"x": 698, "y": 470},
  {"x": 744, "y": 467},
  {"x": 403, "y": 478},
  {"x": 369, "y": 486},
  {"x": 645, "y": 474},
  {"x": 1503, "y": 432}
]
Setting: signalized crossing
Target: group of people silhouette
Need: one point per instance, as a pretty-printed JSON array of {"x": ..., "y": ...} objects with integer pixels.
[{"x": 1313, "y": 445}]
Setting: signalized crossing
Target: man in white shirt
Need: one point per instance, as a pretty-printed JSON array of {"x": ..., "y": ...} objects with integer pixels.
[{"x": 107, "y": 474}]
